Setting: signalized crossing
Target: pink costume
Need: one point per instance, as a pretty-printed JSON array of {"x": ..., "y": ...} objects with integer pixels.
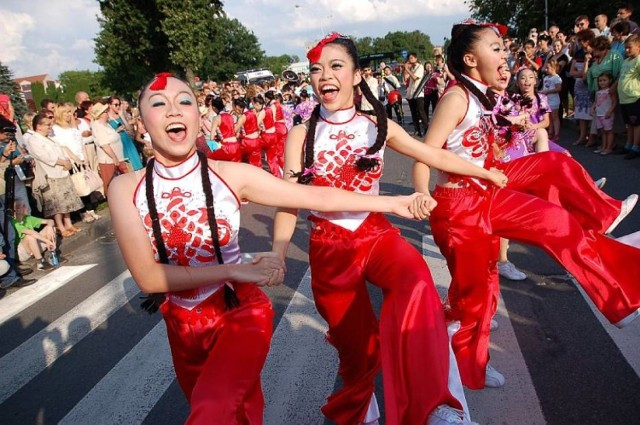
[
  {"x": 348, "y": 249},
  {"x": 230, "y": 150},
  {"x": 217, "y": 353},
  {"x": 603, "y": 104},
  {"x": 533, "y": 208},
  {"x": 513, "y": 142},
  {"x": 251, "y": 142},
  {"x": 271, "y": 144}
]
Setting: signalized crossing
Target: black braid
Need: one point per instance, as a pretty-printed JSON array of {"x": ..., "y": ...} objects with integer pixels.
[
  {"x": 153, "y": 301},
  {"x": 487, "y": 103},
  {"x": 367, "y": 164},
  {"x": 308, "y": 148},
  {"x": 230, "y": 298}
]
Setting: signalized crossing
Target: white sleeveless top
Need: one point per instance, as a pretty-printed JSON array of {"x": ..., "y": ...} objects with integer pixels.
[
  {"x": 471, "y": 139},
  {"x": 181, "y": 207},
  {"x": 341, "y": 138}
]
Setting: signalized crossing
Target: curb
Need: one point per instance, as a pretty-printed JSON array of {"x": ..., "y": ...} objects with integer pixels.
[{"x": 89, "y": 233}]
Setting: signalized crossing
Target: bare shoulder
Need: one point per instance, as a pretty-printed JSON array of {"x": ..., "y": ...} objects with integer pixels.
[{"x": 125, "y": 184}]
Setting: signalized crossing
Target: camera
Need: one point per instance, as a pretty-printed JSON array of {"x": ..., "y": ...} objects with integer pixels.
[
  {"x": 10, "y": 131},
  {"x": 521, "y": 54}
]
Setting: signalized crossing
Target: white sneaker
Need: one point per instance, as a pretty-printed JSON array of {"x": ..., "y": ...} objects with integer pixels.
[
  {"x": 493, "y": 378},
  {"x": 494, "y": 325},
  {"x": 601, "y": 182},
  {"x": 445, "y": 414},
  {"x": 627, "y": 320},
  {"x": 627, "y": 207},
  {"x": 509, "y": 271}
]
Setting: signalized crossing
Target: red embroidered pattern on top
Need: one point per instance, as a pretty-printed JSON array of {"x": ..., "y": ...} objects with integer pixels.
[{"x": 338, "y": 167}]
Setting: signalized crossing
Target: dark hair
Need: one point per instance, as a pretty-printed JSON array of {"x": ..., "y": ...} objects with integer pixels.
[
  {"x": 530, "y": 43},
  {"x": 240, "y": 103},
  {"x": 112, "y": 98},
  {"x": 207, "y": 100},
  {"x": 585, "y": 35},
  {"x": 601, "y": 43},
  {"x": 258, "y": 99},
  {"x": 363, "y": 164},
  {"x": 45, "y": 102},
  {"x": 38, "y": 118},
  {"x": 269, "y": 95},
  {"x": 626, "y": 6},
  {"x": 85, "y": 105},
  {"x": 621, "y": 27},
  {"x": 464, "y": 37},
  {"x": 545, "y": 37},
  {"x": 218, "y": 104},
  {"x": 581, "y": 18}
]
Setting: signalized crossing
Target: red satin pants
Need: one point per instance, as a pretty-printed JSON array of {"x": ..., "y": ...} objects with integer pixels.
[
  {"x": 253, "y": 149},
  {"x": 273, "y": 152},
  {"x": 411, "y": 341},
  {"x": 218, "y": 355},
  {"x": 227, "y": 152},
  {"x": 467, "y": 223}
]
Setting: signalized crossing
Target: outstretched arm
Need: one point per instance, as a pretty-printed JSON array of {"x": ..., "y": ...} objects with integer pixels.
[{"x": 153, "y": 277}]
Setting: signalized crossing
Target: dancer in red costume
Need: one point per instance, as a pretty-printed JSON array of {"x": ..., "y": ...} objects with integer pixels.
[
  {"x": 550, "y": 202},
  {"x": 268, "y": 135},
  {"x": 223, "y": 125},
  {"x": 342, "y": 148},
  {"x": 251, "y": 141},
  {"x": 277, "y": 152},
  {"x": 177, "y": 225}
]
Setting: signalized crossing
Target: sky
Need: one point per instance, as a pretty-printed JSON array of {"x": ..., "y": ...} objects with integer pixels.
[{"x": 53, "y": 36}]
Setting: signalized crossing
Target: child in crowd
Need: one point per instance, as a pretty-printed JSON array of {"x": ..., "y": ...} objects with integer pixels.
[
  {"x": 536, "y": 107},
  {"x": 602, "y": 110},
  {"x": 551, "y": 87},
  {"x": 34, "y": 242},
  {"x": 629, "y": 95}
]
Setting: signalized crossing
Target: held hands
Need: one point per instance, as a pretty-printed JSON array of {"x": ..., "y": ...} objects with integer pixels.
[
  {"x": 497, "y": 177},
  {"x": 265, "y": 269},
  {"x": 422, "y": 206}
]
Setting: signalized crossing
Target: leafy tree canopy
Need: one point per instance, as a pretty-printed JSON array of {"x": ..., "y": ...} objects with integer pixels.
[
  {"x": 396, "y": 42},
  {"x": 521, "y": 15},
  {"x": 8, "y": 87}
]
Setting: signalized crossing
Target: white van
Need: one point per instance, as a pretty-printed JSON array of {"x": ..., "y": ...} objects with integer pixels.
[{"x": 254, "y": 76}]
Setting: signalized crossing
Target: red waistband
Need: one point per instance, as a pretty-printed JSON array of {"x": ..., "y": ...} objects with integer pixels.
[{"x": 323, "y": 228}]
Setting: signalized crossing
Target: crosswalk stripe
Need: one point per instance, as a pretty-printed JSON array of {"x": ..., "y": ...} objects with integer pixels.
[
  {"x": 25, "y": 297},
  {"x": 487, "y": 405},
  {"x": 40, "y": 351},
  {"x": 300, "y": 371},
  {"x": 131, "y": 389}
]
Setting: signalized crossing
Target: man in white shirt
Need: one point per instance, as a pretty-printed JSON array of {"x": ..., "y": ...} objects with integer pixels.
[
  {"x": 413, "y": 73},
  {"x": 372, "y": 82}
]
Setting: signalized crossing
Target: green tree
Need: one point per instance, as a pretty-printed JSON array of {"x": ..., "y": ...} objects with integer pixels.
[
  {"x": 87, "y": 81},
  {"x": 520, "y": 15},
  {"x": 396, "y": 42},
  {"x": 277, "y": 64},
  {"x": 232, "y": 48},
  {"x": 187, "y": 25},
  {"x": 37, "y": 93},
  {"x": 11, "y": 89},
  {"x": 131, "y": 46}
]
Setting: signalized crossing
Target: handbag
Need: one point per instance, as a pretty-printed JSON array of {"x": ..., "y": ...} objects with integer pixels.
[
  {"x": 94, "y": 180},
  {"x": 80, "y": 181}
]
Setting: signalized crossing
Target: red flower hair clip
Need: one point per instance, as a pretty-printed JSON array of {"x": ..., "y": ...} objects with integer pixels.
[
  {"x": 160, "y": 81},
  {"x": 500, "y": 29},
  {"x": 314, "y": 54}
]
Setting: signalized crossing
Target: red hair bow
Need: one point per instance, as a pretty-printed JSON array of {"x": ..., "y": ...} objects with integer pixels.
[
  {"x": 160, "y": 81},
  {"x": 502, "y": 30},
  {"x": 314, "y": 54}
]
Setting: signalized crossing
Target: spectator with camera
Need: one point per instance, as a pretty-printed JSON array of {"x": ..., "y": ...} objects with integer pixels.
[{"x": 12, "y": 276}]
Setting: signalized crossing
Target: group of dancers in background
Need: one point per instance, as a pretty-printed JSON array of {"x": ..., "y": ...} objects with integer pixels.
[{"x": 177, "y": 225}]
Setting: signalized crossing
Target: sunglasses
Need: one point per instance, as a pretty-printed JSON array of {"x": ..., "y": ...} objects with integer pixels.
[{"x": 115, "y": 104}]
